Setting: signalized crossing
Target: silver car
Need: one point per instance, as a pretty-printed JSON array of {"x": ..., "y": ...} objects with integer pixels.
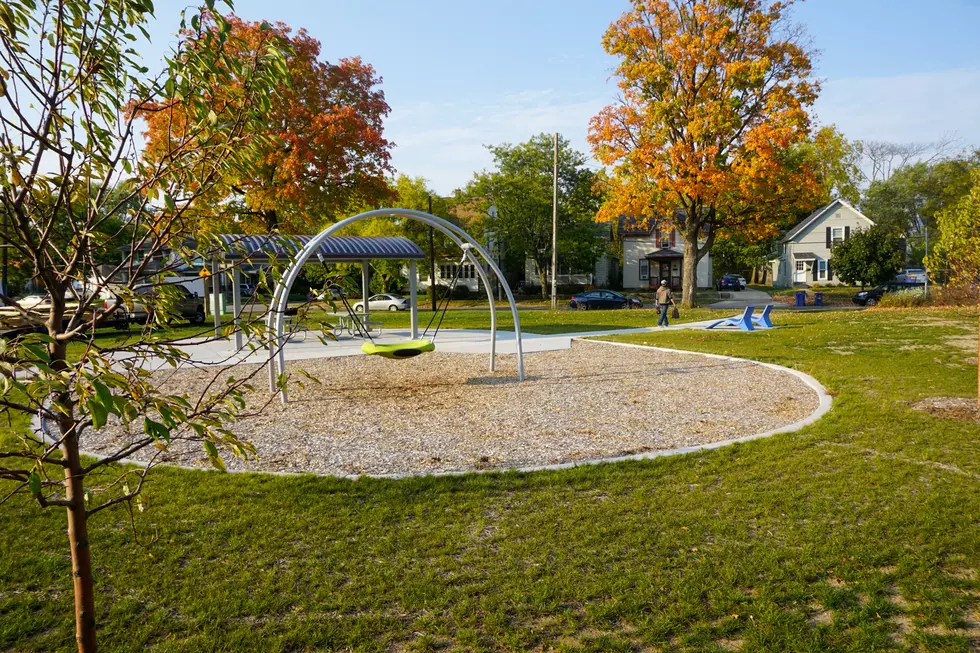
[{"x": 384, "y": 302}]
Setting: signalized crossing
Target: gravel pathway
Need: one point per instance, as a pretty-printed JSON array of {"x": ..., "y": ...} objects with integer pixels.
[{"x": 446, "y": 412}]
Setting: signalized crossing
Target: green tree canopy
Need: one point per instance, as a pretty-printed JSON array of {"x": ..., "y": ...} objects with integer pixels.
[
  {"x": 516, "y": 198},
  {"x": 836, "y": 163},
  {"x": 871, "y": 256},
  {"x": 913, "y": 196}
]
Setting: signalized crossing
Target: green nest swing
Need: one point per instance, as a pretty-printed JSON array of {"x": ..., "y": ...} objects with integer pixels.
[
  {"x": 398, "y": 350},
  {"x": 410, "y": 348}
]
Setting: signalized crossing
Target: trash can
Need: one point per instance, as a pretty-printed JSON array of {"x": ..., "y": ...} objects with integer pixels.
[
  {"x": 818, "y": 299},
  {"x": 801, "y": 298}
]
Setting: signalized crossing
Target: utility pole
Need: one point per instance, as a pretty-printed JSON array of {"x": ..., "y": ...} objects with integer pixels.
[
  {"x": 432, "y": 262},
  {"x": 554, "y": 234}
]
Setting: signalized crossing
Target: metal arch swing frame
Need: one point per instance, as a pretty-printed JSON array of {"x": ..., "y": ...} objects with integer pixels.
[{"x": 277, "y": 309}]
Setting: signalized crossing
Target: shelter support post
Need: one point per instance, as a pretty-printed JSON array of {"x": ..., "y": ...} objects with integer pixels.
[
  {"x": 413, "y": 292},
  {"x": 215, "y": 295},
  {"x": 366, "y": 291},
  {"x": 236, "y": 303}
]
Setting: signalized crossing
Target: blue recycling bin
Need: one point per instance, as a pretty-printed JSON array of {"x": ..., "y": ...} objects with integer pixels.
[
  {"x": 818, "y": 299},
  {"x": 801, "y": 298}
]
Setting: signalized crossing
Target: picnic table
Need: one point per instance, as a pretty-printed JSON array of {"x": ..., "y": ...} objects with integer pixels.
[{"x": 354, "y": 327}]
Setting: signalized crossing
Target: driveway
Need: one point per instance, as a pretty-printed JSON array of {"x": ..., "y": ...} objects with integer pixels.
[{"x": 743, "y": 298}]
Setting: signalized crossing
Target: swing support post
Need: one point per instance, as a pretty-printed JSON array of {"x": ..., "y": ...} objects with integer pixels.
[{"x": 413, "y": 292}]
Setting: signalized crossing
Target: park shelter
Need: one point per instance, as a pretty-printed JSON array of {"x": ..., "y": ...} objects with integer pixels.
[{"x": 237, "y": 249}]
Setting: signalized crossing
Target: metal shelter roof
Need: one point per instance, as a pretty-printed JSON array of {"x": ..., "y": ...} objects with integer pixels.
[{"x": 333, "y": 248}]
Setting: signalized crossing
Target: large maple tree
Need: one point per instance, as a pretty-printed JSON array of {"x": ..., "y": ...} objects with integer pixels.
[
  {"x": 325, "y": 152},
  {"x": 714, "y": 97}
]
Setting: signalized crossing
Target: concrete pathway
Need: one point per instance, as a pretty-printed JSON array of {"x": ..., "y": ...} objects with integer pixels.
[
  {"x": 464, "y": 341},
  {"x": 743, "y": 298}
]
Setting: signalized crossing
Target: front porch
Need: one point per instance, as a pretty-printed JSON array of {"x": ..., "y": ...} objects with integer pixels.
[{"x": 665, "y": 264}]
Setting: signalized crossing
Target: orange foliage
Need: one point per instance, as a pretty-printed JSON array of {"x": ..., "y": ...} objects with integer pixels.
[
  {"x": 321, "y": 149},
  {"x": 714, "y": 98}
]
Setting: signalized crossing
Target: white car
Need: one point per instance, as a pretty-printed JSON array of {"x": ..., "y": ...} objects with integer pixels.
[
  {"x": 384, "y": 302},
  {"x": 741, "y": 280}
]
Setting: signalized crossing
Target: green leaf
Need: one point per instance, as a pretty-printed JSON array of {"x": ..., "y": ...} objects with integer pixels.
[
  {"x": 212, "y": 117},
  {"x": 213, "y": 456},
  {"x": 98, "y": 412},
  {"x": 34, "y": 481}
]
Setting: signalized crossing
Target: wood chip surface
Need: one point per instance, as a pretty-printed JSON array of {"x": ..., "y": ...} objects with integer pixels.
[{"x": 444, "y": 412}]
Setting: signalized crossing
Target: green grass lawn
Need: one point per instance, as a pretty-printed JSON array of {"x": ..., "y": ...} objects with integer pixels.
[{"x": 860, "y": 533}]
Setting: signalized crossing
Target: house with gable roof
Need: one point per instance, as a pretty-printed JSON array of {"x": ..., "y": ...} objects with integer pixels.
[
  {"x": 654, "y": 251},
  {"x": 804, "y": 257}
]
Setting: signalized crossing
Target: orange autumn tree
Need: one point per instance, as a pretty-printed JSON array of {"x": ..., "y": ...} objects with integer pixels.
[
  {"x": 714, "y": 101},
  {"x": 324, "y": 150}
]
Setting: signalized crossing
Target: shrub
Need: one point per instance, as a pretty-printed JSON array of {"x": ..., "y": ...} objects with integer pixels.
[
  {"x": 956, "y": 295},
  {"x": 903, "y": 299},
  {"x": 461, "y": 292}
]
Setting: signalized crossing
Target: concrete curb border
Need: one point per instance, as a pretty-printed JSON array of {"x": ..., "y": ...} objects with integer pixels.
[{"x": 825, "y": 403}]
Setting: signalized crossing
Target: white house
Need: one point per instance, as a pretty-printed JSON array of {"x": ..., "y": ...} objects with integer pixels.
[
  {"x": 600, "y": 276},
  {"x": 446, "y": 269},
  {"x": 655, "y": 252},
  {"x": 804, "y": 257}
]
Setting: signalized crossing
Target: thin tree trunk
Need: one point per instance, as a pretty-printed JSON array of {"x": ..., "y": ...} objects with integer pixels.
[
  {"x": 689, "y": 280},
  {"x": 81, "y": 559},
  {"x": 542, "y": 277}
]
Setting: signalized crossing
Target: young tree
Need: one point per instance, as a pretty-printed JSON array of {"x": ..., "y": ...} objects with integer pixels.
[
  {"x": 913, "y": 195},
  {"x": 517, "y": 199},
  {"x": 958, "y": 250},
  {"x": 871, "y": 256},
  {"x": 714, "y": 97},
  {"x": 836, "y": 163},
  {"x": 74, "y": 186},
  {"x": 325, "y": 150}
]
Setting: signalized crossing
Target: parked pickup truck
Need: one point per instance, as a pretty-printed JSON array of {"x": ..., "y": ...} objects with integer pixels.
[
  {"x": 186, "y": 304},
  {"x": 14, "y": 323}
]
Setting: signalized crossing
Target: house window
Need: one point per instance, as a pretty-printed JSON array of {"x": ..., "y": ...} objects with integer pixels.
[
  {"x": 837, "y": 235},
  {"x": 822, "y": 270},
  {"x": 665, "y": 239},
  {"x": 800, "y": 266},
  {"x": 644, "y": 269}
]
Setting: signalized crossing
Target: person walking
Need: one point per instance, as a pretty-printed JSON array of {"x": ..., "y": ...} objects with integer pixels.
[{"x": 665, "y": 299}]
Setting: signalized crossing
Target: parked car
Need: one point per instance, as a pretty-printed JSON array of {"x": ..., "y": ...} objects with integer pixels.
[
  {"x": 741, "y": 280},
  {"x": 246, "y": 290},
  {"x": 598, "y": 299},
  {"x": 911, "y": 275},
  {"x": 384, "y": 302},
  {"x": 729, "y": 282},
  {"x": 187, "y": 304},
  {"x": 873, "y": 296}
]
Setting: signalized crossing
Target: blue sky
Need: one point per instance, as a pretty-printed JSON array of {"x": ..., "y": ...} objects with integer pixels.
[{"x": 459, "y": 75}]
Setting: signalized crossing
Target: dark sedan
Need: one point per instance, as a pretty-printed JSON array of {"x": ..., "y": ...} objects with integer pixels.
[
  {"x": 729, "y": 282},
  {"x": 873, "y": 296},
  {"x": 598, "y": 299}
]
